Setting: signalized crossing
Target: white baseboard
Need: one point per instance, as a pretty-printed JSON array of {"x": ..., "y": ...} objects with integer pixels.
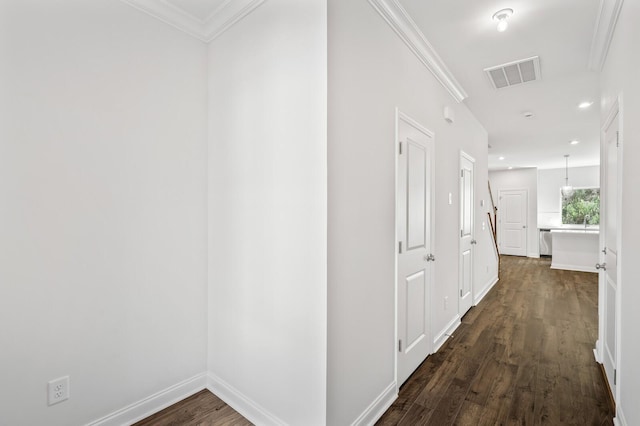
[
  {"x": 241, "y": 403},
  {"x": 534, "y": 255},
  {"x": 445, "y": 333},
  {"x": 154, "y": 403},
  {"x": 492, "y": 281},
  {"x": 578, "y": 268},
  {"x": 619, "y": 419},
  {"x": 595, "y": 355},
  {"x": 378, "y": 406},
  {"x": 597, "y": 351}
]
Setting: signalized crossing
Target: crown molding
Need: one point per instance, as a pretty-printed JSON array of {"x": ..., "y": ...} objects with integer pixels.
[
  {"x": 603, "y": 32},
  {"x": 223, "y": 18},
  {"x": 206, "y": 30},
  {"x": 400, "y": 21}
]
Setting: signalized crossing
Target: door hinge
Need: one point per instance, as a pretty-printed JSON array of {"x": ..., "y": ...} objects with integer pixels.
[
  {"x": 399, "y": 246},
  {"x": 615, "y": 377},
  {"x": 460, "y": 292},
  {"x": 617, "y": 138},
  {"x": 461, "y": 233},
  {"x": 400, "y": 147},
  {"x": 462, "y": 173},
  {"x": 399, "y": 345}
]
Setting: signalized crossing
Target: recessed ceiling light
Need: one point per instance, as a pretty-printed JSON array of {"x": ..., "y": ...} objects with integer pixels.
[
  {"x": 501, "y": 16},
  {"x": 500, "y": 158},
  {"x": 585, "y": 104},
  {"x": 574, "y": 142}
]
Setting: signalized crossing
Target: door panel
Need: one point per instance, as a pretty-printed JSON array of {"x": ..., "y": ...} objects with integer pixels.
[
  {"x": 467, "y": 272},
  {"x": 414, "y": 230},
  {"x": 416, "y": 194},
  {"x": 513, "y": 211},
  {"x": 513, "y": 239},
  {"x": 610, "y": 320},
  {"x": 512, "y": 218},
  {"x": 416, "y": 308},
  {"x": 467, "y": 242},
  {"x": 609, "y": 241},
  {"x": 467, "y": 206}
]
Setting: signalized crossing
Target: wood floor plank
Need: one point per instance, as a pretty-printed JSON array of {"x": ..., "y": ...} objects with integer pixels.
[
  {"x": 470, "y": 414},
  {"x": 446, "y": 412},
  {"x": 417, "y": 415}
]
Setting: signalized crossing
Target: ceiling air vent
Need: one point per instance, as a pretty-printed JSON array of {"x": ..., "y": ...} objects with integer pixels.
[{"x": 513, "y": 73}]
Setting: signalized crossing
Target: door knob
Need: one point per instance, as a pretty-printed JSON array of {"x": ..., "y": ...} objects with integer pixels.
[
  {"x": 429, "y": 258},
  {"x": 474, "y": 242},
  {"x": 603, "y": 266}
]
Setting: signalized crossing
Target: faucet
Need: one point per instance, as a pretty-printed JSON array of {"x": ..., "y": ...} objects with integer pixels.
[{"x": 586, "y": 218}]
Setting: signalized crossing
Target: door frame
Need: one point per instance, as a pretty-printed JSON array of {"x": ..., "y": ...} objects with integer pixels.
[
  {"x": 464, "y": 155},
  {"x": 526, "y": 210},
  {"x": 615, "y": 112},
  {"x": 400, "y": 116}
]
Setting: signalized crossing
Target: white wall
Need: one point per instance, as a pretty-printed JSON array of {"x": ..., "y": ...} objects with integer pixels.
[
  {"x": 102, "y": 211},
  {"x": 620, "y": 76},
  {"x": 268, "y": 209},
  {"x": 549, "y": 183},
  {"x": 520, "y": 179},
  {"x": 371, "y": 72}
]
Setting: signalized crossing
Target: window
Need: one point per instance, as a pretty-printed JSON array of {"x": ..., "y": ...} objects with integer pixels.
[{"x": 583, "y": 206}]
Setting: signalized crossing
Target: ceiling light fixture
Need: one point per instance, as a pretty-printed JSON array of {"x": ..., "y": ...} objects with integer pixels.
[
  {"x": 500, "y": 158},
  {"x": 574, "y": 142},
  {"x": 501, "y": 16},
  {"x": 585, "y": 104},
  {"x": 567, "y": 190}
]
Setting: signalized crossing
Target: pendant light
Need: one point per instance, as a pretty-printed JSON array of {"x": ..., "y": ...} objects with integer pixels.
[{"x": 567, "y": 190}]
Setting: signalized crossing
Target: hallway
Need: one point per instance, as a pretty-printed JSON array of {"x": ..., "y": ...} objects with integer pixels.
[{"x": 524, "y": 355}]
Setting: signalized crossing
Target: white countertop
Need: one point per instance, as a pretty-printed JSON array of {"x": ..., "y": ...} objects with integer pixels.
[{"x": 593, "y": 231}]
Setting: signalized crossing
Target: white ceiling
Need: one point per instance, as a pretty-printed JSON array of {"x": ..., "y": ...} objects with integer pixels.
[{"x": 560, "y": 33}]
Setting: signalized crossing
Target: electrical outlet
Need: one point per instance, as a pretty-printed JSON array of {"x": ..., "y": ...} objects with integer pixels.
[
  {"x": 58, "y": 390},
  {"x": 446, "y": 302}
]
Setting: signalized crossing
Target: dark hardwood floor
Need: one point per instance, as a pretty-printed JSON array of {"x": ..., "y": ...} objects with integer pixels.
[
  {"x": 523, "y": 356},
  {"x": 201, "y": 409}
]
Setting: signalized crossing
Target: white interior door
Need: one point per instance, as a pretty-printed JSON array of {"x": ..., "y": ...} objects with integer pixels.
[
  {"x": 608, "y": 266},
  {"x": 512, "y": 217},
  {"x": 467, "y": 241},
  {"x": 414, "y": 231}
]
